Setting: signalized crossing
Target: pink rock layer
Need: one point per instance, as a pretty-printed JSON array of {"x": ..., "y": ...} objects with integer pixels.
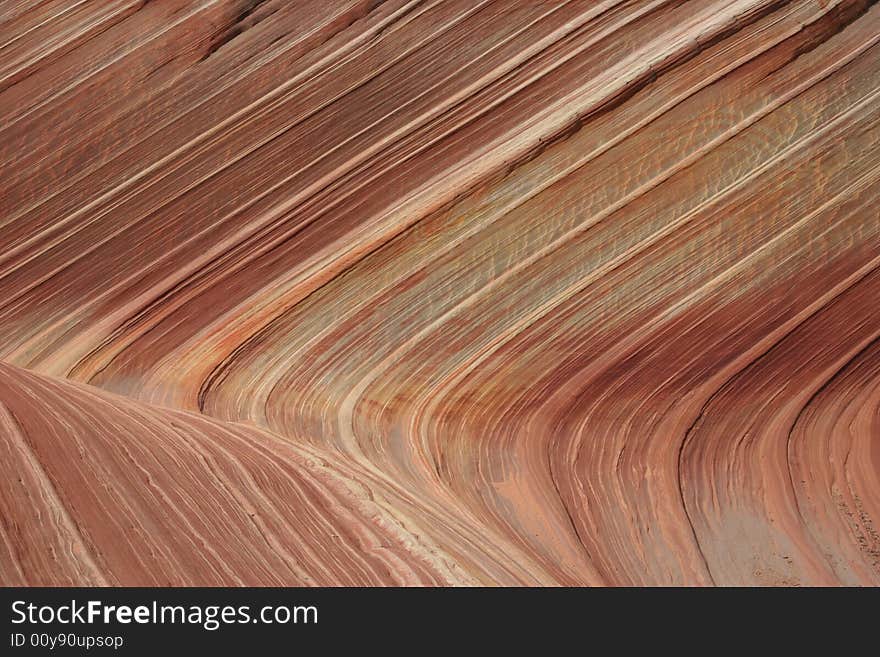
[{"x": 440, "y": 292}]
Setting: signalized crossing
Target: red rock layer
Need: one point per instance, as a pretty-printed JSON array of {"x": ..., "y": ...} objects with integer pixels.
[{"x": 440, "y": 292}]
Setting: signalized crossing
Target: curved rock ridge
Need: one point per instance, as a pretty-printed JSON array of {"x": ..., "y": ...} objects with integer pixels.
[{"x": 440, "y": 292}]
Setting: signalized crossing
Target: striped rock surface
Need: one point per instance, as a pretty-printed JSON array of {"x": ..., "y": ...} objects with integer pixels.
[{"x": 424, "y": 292}]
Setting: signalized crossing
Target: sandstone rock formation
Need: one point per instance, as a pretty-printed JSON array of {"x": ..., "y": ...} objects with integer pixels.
[{"x": 430, "y": 292}]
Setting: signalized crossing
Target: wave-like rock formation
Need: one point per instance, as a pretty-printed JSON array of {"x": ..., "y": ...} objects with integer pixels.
[{"x": 426, "y": 292}]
